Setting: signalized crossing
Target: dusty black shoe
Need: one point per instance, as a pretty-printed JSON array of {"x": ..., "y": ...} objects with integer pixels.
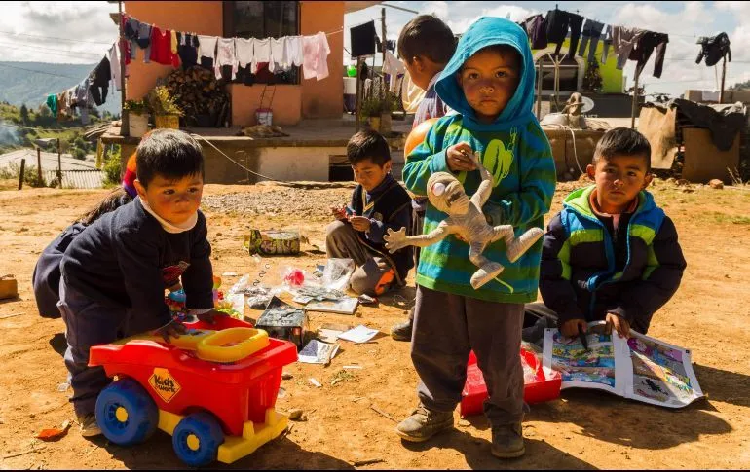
[
  {"x": 402, "y": 331},
  {"x": 507, "y": 441},
  {"x": 423, "y": 424},
  {"x": 89, "y": 426}
]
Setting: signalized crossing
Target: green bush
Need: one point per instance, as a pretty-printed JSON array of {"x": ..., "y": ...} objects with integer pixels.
[
  {"x": 78, "y": 153},
  {"x": 30, "y": 176},
  {"x": 113, "y": 167}
]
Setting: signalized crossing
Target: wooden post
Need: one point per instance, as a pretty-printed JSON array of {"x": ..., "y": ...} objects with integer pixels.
[
  {"x": 635, "y": 101},
  {"x": 39, "y": 164},
  {"x": 539, "y": 89},
  {"x": 124, "y": 118},
  {"x": 59, "y": 165},
  {"x": 357, "y": 98},
  {"x": 723, "y": 79},
  {"x": 20, "y": 174},
  {"x": 382, "y": 31}
]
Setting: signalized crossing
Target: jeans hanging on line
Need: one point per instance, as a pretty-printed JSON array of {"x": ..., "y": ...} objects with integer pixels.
[{"x": 591, "y": 30}]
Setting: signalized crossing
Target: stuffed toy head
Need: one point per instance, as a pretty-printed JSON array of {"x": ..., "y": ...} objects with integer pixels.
[{"x": 447, "y": 194}]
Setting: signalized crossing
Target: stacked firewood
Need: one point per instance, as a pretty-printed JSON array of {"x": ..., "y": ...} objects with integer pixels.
[{"x": 203, "y": 99}]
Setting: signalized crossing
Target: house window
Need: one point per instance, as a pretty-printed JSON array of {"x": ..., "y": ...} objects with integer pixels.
[
  {"x": 263, "y": 20},
  {"x": 568, "y": 74}
]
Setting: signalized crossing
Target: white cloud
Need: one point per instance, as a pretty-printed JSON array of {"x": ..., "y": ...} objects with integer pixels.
[{"x": 65, "y": 32}]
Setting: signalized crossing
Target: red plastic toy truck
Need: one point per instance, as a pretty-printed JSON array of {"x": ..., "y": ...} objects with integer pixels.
[
  {"x": 542, "y": 389},
  {"x": 214, "y": 390}
]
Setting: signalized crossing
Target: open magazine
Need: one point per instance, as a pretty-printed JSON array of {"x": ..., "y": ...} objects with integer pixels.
[{"x": 640, "y": 367}]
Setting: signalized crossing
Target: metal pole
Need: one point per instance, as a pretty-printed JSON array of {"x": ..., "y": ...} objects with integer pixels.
[
  {"x": 20, "y": 174},
  {"x": 723, "y": 79},
  {"x": 635, "y": 101}
]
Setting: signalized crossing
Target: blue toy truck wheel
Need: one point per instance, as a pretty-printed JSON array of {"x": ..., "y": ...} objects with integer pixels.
[
  {"x": 196, "y": 439},
  {"x": 126, "y": 413}
]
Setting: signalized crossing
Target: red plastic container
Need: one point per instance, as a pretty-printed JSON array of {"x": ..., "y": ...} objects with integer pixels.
[
  {"x": 180, "y": 383},
  {"x": 475, "y": 391}
]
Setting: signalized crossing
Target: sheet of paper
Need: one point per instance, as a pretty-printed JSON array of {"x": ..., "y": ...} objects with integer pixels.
[
  {"x": 346, "y": 306},
  {"x": 360, "y": 334},
  {"x": 317, "y": 352}
]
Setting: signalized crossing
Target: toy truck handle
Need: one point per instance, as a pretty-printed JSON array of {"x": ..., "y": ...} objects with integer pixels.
[{"x": 233, "y": 344}]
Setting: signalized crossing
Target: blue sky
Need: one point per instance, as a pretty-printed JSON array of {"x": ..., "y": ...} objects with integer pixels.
[
  {"x": 683, "y": 21},
  {"x": 81, "y": 32}
]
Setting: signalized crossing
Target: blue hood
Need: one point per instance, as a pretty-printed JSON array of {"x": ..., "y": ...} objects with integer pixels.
[{"x": 482, "y": 33}]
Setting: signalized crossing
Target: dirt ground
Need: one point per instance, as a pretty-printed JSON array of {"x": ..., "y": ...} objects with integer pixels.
[{"x": 583, "y": 429}]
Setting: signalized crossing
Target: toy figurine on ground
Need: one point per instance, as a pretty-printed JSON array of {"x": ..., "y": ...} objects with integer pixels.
[{"x": 466, "y": 220}]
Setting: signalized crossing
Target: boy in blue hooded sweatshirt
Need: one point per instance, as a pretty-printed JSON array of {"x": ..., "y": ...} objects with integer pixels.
[{"x": 490, "y": 83}]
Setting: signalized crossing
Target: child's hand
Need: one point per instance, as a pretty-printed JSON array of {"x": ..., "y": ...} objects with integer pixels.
[
  {"x": 620, "y": 324},
  {"x": 339, "y": 213},
  {"x": 174, "y": 329},
  {"x": 569, "y": 329},
  {"x": 360, "y": 223},
  {"x": 209, "y": 316},
  {"x": 459, "y": 157}
]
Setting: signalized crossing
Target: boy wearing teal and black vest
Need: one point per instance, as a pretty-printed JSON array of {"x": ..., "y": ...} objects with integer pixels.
[
  {"x": 378, "y": 203},
  {"x": 611, "y": 253},
  {"x": 489, "y": 82}
]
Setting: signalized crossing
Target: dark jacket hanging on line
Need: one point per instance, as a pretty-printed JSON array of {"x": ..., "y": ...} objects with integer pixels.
[{"x": 713, "y": 48}]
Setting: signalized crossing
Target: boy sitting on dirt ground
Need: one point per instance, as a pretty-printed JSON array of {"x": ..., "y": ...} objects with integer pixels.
[
  {"x": 489, "y": 81},
  {"x": 114, "y": 273},
  {"x": 378, "y": 203},
  {"x": 611, "y": 253},
  {"x": 426, "y": 43}
]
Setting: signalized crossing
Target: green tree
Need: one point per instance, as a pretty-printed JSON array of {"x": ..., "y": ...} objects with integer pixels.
[
  {"x": 23, "y": 113},
  {"x": 113, "y": 167},
  {"x": 78, "y": 153}
]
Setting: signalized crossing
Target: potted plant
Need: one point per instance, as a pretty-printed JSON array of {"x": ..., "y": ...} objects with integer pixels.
[
  {"x": 388, "y": 105},
  {"x": 371, "y": 109},
  {"x": 137, "y": 117},
  {"x": 166, "y": 112}
]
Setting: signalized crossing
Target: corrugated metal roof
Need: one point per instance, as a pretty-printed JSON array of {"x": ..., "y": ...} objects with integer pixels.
[
  {"x": 92, "y": 178},
  {"x": 49, "y": 160}
]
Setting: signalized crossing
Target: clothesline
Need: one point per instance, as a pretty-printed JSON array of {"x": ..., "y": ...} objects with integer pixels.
[{"x": 41, "y": 128}]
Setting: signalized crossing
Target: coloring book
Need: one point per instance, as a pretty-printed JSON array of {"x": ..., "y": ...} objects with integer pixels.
[{"x": 640, "y": 368}]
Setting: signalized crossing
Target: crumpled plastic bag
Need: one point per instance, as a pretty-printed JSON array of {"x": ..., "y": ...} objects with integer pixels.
[{"x": 337, "y": 273}]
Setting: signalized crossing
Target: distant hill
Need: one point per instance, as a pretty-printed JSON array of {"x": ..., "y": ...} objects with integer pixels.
[{"x": 18, "y": 84}]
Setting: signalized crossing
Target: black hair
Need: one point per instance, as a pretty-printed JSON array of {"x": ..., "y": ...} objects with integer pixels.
[
  {"x": 428, "y": 36},
  {"x": 111, "y": 202},
  {"x": 368, "y": 144},
  {"x": 623, "y": 142},
  {"x": 170, "y": 153}
]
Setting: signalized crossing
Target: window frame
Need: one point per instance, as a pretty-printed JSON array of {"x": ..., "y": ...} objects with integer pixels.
[{"x": 228, "y": 25}]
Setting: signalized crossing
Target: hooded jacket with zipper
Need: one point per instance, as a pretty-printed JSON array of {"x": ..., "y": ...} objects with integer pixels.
[
  {"x": 580, "y": 274},
  {"x": 513, "y": 148}
]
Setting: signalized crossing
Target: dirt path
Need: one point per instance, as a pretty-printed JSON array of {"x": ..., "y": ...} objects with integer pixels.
[{"x": 583, "y": 429}]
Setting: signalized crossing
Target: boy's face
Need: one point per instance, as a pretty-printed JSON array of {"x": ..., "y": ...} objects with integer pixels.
[
  {"x": 421, "y": 69},
  {"x": 618, "y": 180},
  {"x": 489, "y": 79},
  {"x": 369, "y": 174},
  {"x": 173, "y": 200}
]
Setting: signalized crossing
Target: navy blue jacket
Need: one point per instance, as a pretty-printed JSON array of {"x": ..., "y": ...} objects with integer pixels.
[
  {"x": 125, "y": 259},
  {"x": 588, "y": 271}
]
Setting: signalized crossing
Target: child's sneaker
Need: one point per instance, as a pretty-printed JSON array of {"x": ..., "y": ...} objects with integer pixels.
[
  {"x": 507, "y": 441},
  {"x": 423, "y": 424},
  {"x": 89, "y": 427}
]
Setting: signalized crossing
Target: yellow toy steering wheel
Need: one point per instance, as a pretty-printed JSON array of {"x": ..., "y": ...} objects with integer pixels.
[{"x": 230, "y": 345}]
